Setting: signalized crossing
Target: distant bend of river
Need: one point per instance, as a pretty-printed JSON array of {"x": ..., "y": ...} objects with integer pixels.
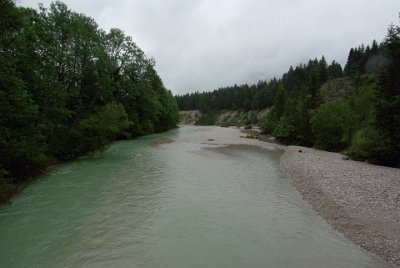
[{"x": 170, "y": 200}]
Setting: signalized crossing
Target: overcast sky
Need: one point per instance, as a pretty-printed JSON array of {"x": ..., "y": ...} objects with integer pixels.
[{"x": 201, "y": 45}]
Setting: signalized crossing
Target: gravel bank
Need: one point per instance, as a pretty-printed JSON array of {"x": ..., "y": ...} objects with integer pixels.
[
  {"x": 225, "y": 136},
  {"x": 360, "y": 200}
]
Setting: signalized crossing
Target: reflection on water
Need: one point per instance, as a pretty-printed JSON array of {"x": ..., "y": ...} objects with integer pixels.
[{"x": 168, "y": 201}]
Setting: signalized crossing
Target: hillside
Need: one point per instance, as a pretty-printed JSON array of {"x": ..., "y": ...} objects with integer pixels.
[
  {"x": 223, "y": 118},
  {"x": 355, "y": 109}
]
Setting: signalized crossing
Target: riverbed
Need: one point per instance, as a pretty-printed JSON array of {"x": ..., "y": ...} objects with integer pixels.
[{"x": 192, "y": 197}]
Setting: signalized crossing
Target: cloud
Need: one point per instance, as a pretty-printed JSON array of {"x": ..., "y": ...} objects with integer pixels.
[{"x": 205, "y": 44}]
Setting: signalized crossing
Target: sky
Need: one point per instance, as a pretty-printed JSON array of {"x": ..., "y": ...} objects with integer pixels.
[{"x": 201, "y": 45}]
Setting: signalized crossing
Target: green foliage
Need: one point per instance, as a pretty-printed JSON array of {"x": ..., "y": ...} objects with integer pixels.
[
  {"x": 293, "y": 125},
  {"x": 378, "y": 107},
  {"x": 332, "y": 126},
  {"x": 334, "y": 71},
  {"x": 269, "y": 122},
  {"x": 367, "y": 143},
  {"x": 243, "y": 97},
  {"x": 169, "y": 114},
  {"x": 363, "y": 59},
  {"x": 101, "y": 127},
  {"x": 272, "y": 118},
  {"x": 388, "y": 101},
  {"x": 68, "y": 88},
  {"x": 283, "y": 129},
  {"x": 322, "y": 105},
  {"x": 21, "y": 143},
  {"x": 362, "y": 100}
]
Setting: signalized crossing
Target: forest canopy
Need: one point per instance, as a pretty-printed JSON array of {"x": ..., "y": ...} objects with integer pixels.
[
  {"x": 68, "y": 88},
  {"x": 355, "y": 109}
]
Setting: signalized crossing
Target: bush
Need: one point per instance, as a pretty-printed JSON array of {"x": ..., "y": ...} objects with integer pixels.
[
  {"x": 367, "y": 143},
  {"x": 283, "y": 130},
  {"x": 331, "y": 125},
  {"x": 269, "y": 122},
  {"x": 97, "y": 130}
]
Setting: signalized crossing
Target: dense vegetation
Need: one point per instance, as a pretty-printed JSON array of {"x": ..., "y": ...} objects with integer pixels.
[
  {"x": 253, "y": 97},
  {"x": 68, "y": 88},
  {"x": 355, "y": 110}
]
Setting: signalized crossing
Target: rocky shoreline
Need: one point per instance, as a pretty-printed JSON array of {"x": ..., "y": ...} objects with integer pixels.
[{"x": 360, "y": 200}]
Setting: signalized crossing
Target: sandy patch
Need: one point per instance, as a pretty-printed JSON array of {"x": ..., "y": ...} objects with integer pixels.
[{"x": 224, "y": 136}]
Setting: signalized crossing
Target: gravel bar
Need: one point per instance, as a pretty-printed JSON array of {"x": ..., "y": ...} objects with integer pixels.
[{"x": 358, "y": 199}]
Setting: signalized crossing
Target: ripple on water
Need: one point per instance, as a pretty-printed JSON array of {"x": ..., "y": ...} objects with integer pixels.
[{"x": 180, "y": 203}]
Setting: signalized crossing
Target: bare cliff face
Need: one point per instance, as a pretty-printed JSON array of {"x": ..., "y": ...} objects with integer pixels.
[
  {"x": 189, "y": 117},
  {"x": 331, "y": 91},
  {"x": 336, "y": 89},
  {"x": 240, "y": 118},
  {"x": 225, "y": 118}
]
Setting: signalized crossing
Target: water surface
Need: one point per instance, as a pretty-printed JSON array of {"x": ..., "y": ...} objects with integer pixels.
[{"x": 169, "y": 201}]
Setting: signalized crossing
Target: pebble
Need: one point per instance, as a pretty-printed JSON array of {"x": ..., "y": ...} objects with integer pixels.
[{"x": 364, "y": 196}]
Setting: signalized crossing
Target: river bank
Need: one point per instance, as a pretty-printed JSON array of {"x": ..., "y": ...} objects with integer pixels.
[
  {"x": 185, "y": 198},
  {"x": 358, "y": 199},
  {"x": 223, "y": 118}
]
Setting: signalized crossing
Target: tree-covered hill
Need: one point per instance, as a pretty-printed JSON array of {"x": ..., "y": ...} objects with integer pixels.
[
  {"x": 68, "y": 88},
  {"x": 355, "y": 110}
]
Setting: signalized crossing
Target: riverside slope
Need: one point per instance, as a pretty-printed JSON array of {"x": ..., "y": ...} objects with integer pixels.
[
  {"x": 224, "y": 118},
  {"x": 359, "y": 199}
]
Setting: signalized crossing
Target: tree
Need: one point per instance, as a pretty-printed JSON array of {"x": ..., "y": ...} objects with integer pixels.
[
  {"x": 273, "y": 117},
  {"x": 68, "y": 88},
  {"x": 335, "y": 70},
  {"x": 332, "y": 126},
  {"x": 98, "y": 129},
  {"x": 21, "y": 143},
  {"x": 388, "y": 100}
]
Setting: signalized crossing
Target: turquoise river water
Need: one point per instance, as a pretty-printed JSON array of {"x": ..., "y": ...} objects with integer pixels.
[{"x": 167, "y": 201}]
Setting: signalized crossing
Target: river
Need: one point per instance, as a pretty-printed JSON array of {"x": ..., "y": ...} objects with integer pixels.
[{"x": 170, "y": 200}]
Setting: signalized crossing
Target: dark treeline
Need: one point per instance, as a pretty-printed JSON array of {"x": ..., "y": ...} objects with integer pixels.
[
  {"x": 229, "y": 98},
  {"x": 259, "y": 96},
  {"x": 68, "y": 88},
  {"x": 355, "y": 110}
]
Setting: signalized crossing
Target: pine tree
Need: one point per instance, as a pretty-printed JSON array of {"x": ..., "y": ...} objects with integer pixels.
[{"x": 388, "y": 101}]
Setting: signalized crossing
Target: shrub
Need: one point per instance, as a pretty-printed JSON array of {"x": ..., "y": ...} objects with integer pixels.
[
  {"x": 269, "y": 122},
  {"x": 283, "y": 130},
  {"x": 97, "y": 130},
  {"x": 367, "y": 143},
  {"x": 331, "y": 125}
]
